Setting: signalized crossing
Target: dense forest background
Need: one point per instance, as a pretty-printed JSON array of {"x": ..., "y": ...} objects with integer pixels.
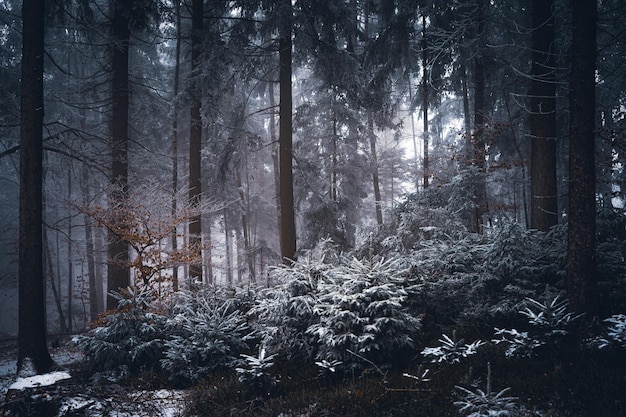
[
  {"x": 250, "y": 190},
  {"x": 200, "y": 143}
]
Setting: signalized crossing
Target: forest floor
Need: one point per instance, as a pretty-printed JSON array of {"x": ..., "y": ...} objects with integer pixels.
[
  {"x": 76, "y": 396},
  {"x": 561, "y": 384}
]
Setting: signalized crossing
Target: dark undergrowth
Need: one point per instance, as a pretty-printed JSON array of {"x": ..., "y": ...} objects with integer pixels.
[{"x": 559, "y": 383}]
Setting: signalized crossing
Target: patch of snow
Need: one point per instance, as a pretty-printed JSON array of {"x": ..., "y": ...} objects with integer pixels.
[{"x": 39, "y": 380}]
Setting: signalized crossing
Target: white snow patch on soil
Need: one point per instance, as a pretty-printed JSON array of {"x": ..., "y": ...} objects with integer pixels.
[{"x": 39, "y": 380}]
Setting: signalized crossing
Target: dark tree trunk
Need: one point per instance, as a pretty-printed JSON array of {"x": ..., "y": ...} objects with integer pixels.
[
  {"x": 478, "y": 139},
  {"x": 543, "y": 209},
  {"x": 118, "y": 258},
  {"x": 287, "y": 212},
  {"x": 581, "y": 259},
  {"x": 32, "y": 303},
  {"x": 425, "y": 100},
  {"x": 175, "y": 141},
  {"x": 375, "y": 175},
  {"x": 195, "y": 145},
  {"x": 89, "y": 243}
]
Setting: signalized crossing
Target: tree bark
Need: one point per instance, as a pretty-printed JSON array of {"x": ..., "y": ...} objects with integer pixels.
[
  {"x": 195, "y": 145},
  {"x": 89, "y": 243},
  {"x": 287, "y": 211},
  {"x": 478, "y": 139},
  {"x": 32, "y": 303},
  {"x": 543, "y": 189},
  {"x": 581, "y": 259},
  {"x": 375, "y": 175},
  {"x": 118, "y": 274},
  {"x": 425, "y": 100},
  {"x": 175, "y": 141}
]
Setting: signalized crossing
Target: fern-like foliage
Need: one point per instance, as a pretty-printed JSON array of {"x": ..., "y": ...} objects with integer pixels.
[
  {"x": 364, "y": 311},
  {"x": 481, "y": 403},
  {"x": 255, "y": 370},
  {"x": 127, "y": 341},
  {"x": 283, "y": 313},
  {"x": 207, "y": 335},
  {"x": 551, "y": 315},
  {"x": 451, "y": 350},
  {"x": 488, "y": 403}
]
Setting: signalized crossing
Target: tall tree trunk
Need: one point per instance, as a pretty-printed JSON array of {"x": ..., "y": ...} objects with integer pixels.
[
  {"x": 228, "y": 246},
  {"x": 118, "y": 257},
  {"x": 543, "y": 190},
  {"x": 334, "y": 162},
  {"x": 425, "y": 100},
  {"x": 175, "y": 141},
  {"x": 467, "y": 117},
  {"x": 581, "y": 258},
  {"x": 56, "y": 290},
  {"x": 31, "y": 343},
  {"x": 275, "y": 150},
  {"x": 413, "y": 135},
  {"x": 375, "y": 176},
  {"x": 195, "y": 144},
  {"x": 287, "y": 211},
  {"x": 70, "y": 264},
  {"x": 89, "y": 243},
  {"x": 478, "y": 139}
]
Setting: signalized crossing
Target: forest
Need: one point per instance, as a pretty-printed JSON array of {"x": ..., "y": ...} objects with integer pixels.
[{"x": 314, "y": 207}]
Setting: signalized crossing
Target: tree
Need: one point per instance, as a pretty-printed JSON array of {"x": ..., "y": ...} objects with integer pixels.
[
  {"x": 581, "y": 257},
  {"x": 285, "y": 138},
  {"x": 32, "y": 307},
  {"x": 118, "y": 272},
  {"x": 175, "y": 134},
  {"x": 195, "y": 140},
  {"x": 543, "y": 208}
]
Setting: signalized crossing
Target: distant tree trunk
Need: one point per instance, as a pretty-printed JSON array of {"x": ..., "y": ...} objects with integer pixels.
[
  {"x": 521, "y": 159},
  {"x": 208, "y": 249},
  {"x": 245, "y": 226},
  {"x": 425, "y": 100},
  {"x": 94, "y": 309},
  {"x": 275, "y": 150},
  {"x": 175, "y": 140},
  {"x": 228, "y": 246},
  {"x": 334, "y": 162},
  {"x": 287, "y": 211},
  {"x": 581, "y": 258},
  {"x": 118, "y": 257},
  {"x": 543, "y": 190},
  {"x": 414, "y": 136},
  {"x": 31, "y": 341},
  {"x": 195, "y": 144},
  {"x": 467, "y": 117},
  {"x": 375, "y": 175},
  {"x": 56, "y": 293},
  {"x": 70, "y": 265}
]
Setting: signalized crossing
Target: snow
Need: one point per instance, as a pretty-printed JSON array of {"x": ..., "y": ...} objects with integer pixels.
[
  {"x": 161, "y": 403},
  {"x": 39, "y": 380}
]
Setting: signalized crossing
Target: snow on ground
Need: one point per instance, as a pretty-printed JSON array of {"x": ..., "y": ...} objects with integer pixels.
[
  {"x": 39, "y": 380},
  {"x": 63, "y": 356},
  {"x": 127, "y": 403},
  {"x": 160, "y": 403}
]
